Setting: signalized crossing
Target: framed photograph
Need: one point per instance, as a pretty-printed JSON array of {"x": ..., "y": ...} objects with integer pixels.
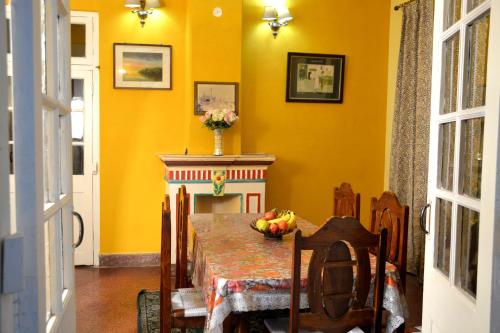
[
  {"x": 315, "y": 78},
  {"x": 208, "y": 95},
  {"x": 142, "y": 66}
]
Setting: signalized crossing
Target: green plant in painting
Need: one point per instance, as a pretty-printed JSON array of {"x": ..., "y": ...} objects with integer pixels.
[{"x": 152, "y": 73}]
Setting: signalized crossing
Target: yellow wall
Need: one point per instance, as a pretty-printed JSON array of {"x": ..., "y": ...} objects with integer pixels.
[
  {"x": 138, "y": 124},
  {"x": 215, "y": 50},
  {"x": 318, "y": 145}
]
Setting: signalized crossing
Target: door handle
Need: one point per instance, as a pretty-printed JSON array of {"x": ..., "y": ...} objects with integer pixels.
[
  {"x": 81, "y": 231},
  {"x": 423, "y": 218},
  {"x": 95, "y": 172}
]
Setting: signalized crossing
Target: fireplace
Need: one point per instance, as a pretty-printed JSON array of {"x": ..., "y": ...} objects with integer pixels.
[
  {"x": 207, "y": 203},
  {"x": 218, "y": 184}
]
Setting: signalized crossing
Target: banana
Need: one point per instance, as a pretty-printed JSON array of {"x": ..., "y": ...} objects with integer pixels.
[
  {"x": 285, "y": 218},
  {"x": 276, "y": 220},
  {"x": 286, "y": 215},
  {"x": 291, "y": 221}
]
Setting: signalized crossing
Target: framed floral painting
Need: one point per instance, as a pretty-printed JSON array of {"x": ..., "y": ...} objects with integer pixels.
[
  {"x": 142, "y": 66},
  {"x": 215, "y": 95},
  {"x": 315, "y": 78}
]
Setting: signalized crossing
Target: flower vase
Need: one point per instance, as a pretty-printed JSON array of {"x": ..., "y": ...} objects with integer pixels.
[{"x": 218, "y": 142}]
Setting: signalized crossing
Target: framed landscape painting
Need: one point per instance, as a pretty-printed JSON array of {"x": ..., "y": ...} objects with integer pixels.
[
  {"x": 315, "y": 78},
  {"x": 142, "y": 66},
  {"x": 215, "y": 95}
]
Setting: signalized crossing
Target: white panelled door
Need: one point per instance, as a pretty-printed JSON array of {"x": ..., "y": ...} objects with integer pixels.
[
  {"x": 85, "y": 134},
  {"x": 81, "y": 119},
  {"x": 463, "y": 166}
]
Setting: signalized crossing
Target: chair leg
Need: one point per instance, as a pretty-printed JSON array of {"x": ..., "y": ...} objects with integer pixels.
[
  {"x": 366, "y": 329},
  {"x": 242, "y": 323},
  {"x": 227, "y": 326}
]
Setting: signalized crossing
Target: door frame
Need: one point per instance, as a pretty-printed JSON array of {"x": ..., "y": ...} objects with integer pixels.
[{"x": 92, "y": 64}]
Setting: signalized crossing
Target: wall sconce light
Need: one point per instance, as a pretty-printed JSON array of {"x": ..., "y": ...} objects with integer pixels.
[
  {"x": 142, "y": 8},
  {"x": 276, "y": 18}
]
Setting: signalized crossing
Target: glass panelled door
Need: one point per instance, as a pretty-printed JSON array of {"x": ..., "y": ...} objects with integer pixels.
[
  {"x": 10, "y": 118},
  {"x": 462, "y": 165},
  {"x": 38, "y": 141}
]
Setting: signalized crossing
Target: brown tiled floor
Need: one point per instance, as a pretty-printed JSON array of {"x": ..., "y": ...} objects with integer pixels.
[{"x": 106, "y": 298}]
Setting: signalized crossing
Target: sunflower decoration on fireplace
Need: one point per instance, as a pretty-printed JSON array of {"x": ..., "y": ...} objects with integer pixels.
[{"x": 219, "y": 181}]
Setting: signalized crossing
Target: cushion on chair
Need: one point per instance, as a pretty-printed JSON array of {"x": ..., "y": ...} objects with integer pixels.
[
  {"x": 280, "y": 325},
  {"x": 188, "y": 302}
]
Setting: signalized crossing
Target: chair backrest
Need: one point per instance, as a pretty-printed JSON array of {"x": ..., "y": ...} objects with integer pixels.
[
  {"x": 181, "y": 272},
  {"x": 165, "y": 266},
  {"x": 388, "y": 213},
  {"x": 338, "y": 284},
  {"x": 346, "y": 202}
]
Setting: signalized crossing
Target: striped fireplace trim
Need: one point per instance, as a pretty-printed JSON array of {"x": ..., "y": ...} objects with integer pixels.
[{"x": 242, "y": 175}]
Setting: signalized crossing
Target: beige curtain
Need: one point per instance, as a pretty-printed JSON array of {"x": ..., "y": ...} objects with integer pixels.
[{"x": 410, "y": 136}]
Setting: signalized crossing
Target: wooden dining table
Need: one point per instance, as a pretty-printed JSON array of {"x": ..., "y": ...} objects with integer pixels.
[{"x": 239, "y": 270}]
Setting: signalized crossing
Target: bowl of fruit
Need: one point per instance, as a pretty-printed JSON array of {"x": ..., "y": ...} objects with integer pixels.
[{"x": 275, "y": 223}]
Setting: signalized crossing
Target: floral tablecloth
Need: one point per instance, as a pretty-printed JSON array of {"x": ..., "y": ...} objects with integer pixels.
[{"x": 239, "y": 270}]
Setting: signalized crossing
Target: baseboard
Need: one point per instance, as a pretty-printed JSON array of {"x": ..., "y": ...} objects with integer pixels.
[{"x": 129, "y": 260}]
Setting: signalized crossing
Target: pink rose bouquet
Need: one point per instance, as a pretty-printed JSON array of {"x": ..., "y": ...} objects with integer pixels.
[{"x": 220, "y": 116}]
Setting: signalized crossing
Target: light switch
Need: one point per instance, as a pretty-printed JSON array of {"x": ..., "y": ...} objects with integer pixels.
[{"x": 12, "y": 264}]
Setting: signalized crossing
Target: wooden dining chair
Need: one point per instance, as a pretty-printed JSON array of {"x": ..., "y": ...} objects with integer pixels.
[
  {"x": 337, "y": 295},
  {"x": 387, "y": 212},
  {"x": 182, "y": 271},
  {"x": 346, "y": 202},
  {"x": 179, "y": 308}
]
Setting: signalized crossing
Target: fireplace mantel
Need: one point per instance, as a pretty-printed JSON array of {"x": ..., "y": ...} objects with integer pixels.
[
  {"x": 217, "y": 184},
  {"x": 197, "y": 173},
  {"x": 210, "y": 160}
]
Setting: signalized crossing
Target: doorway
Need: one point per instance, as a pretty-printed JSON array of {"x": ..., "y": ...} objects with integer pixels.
[{"x": 85, "y": 135}]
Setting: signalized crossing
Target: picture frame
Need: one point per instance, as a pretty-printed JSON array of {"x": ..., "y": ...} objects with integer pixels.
[
  {"x": 315, "y": 78},
  {"x": 142, "y": 66},
  {"x": 208, "y": 94}
]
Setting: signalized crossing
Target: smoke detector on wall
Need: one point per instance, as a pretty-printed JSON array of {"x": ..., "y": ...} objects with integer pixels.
[{"x": 217, "y": 12}]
